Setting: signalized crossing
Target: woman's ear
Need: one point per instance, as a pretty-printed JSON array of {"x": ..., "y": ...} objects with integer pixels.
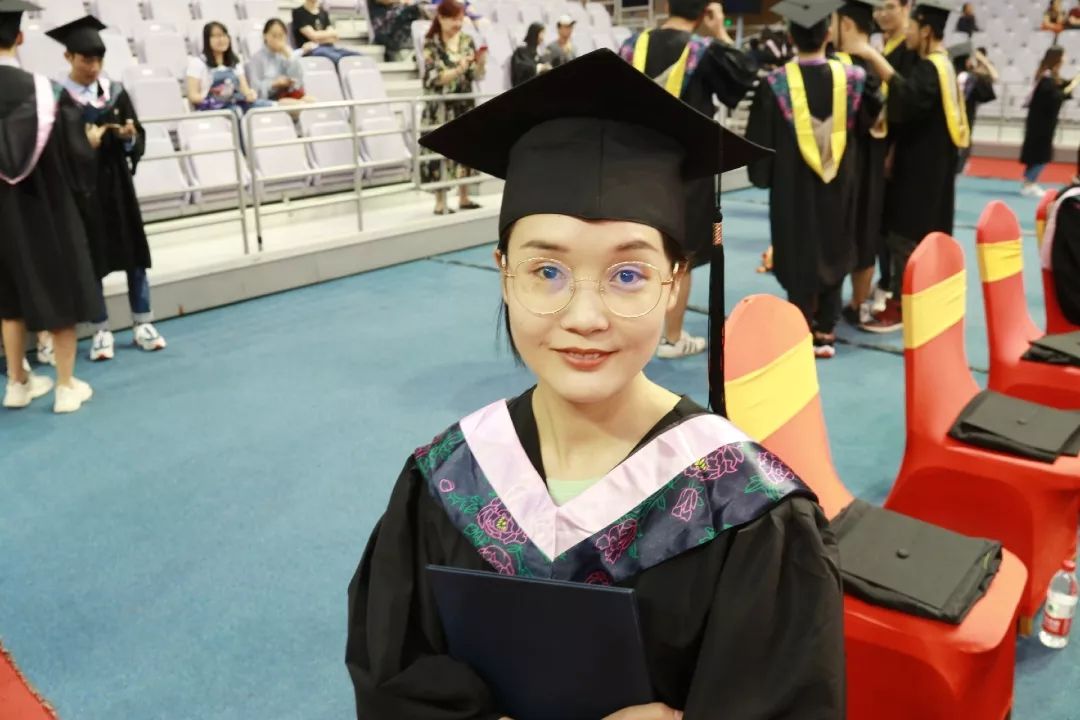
[
  {"x": 677, "y": 274},
  {"x": 500, "y": 263}
]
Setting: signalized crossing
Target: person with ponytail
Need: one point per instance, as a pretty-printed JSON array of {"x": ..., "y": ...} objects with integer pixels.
[{"x": 1044, "y": 106}]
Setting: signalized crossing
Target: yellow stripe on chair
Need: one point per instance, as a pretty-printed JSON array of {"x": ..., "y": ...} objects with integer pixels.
[
  {"x": 764, "y": 400},
  {"x": 1040, "y": 230},
  {"x": 934, "y": 310},
  {"x": 998, "y": 261}
]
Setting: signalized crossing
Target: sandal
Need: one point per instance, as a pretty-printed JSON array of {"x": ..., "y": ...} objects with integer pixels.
[
  {"x": 468, "y": 206},
  {"x": 445, "y": 211}
]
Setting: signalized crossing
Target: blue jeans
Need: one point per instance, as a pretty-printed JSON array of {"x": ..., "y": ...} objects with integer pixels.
[
  {"x": 138, "y": 298},
  {"x": 333, "y": 52},
  {"x": 1032, "y": 172}
]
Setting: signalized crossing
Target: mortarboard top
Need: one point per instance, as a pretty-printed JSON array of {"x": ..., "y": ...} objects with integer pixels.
[
  {"x": 17, "y": 6},
  {"x": 871, "y": 4},
  {"x": 81, "y": 36},
  {"x": 806, "y": 13},
  {"x": 934, "y": 8},
  {"x": 594, "y": 139}
]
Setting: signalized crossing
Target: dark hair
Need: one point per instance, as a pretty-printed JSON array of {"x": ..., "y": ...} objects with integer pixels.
[
  {"x": 688, "y": 9},
  {"x": 532, "y": 35},
  {"x": 672, "y": 249},
  {"x": 1051, "y": 57},
  {"x": 9, "y": 29},
  {"x": 933, "y": 20},
  {"x": 861, "y": 15},
  {"x": 810, "y": 39},
  {"x": 446, "y": 9},
  {"x": 271, "y": 23},
  {"x": 229, "y": 58}
]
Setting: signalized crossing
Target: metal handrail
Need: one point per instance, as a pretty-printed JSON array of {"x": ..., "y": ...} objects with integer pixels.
[{"x": 234, "y": 130}]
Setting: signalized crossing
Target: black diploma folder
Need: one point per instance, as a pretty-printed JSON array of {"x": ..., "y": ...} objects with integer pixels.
[{"x": 547, "y": 649}]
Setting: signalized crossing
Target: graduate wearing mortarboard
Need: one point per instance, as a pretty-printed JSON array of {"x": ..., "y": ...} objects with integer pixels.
[
  {"x": 46, "y": 276},
  {"x": 112, "y": 215},
  {"x": 807, "y": 111},
  {"x": 597, "y": 474},
  {"x": 694, "y": 68},
  {"x": 928, "y": 125},
  {"x": 855, "y": 22}
]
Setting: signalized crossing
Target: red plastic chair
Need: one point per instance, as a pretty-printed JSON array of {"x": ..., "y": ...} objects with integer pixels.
[
  {"x": 1009, "y": 325},
  {"x": 1056, "y": 323},
  {"x": 1030, "y": 506},
  {"x": 959, "y": 671}
]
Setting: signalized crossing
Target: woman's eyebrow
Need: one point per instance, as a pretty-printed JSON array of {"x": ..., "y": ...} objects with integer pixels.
[
  {"x": 622, "y": 247},
  {"x": 636, "y": 245},
  {"x": 545, "y": 245}
]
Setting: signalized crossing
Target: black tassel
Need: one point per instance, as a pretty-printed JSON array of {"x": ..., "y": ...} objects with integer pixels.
[{"x": 716, "y": 315}]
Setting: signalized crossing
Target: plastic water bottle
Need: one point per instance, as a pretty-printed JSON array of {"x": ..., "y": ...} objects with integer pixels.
[{"x": 1060, "y": 607}]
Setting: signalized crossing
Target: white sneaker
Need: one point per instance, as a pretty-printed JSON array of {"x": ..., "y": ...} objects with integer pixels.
[
  {"x": 686, "y": 345},
  {"x": 877, "y": 300},
  {"x": 1032, "y": 190},
  {"x": 19, "y": 395},
  {"x": 46, "y": 354},
  {"x": 148, "y": 338},
  {"x": 103, "y": 346},
  {"x": 70, "y": 399}
]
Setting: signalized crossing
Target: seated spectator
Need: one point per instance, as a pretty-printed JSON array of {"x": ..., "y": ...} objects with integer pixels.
[
  {"x": 216, "y": 81},
  {"x": 311, "y": 24},
  {"x": 966, "y": 23},
  {"x": 1073, "y": 21},
  {"x": 391, "y": 21},
  {"x": 561, "y": 50},
  {"x": 526, "y": 62},
  {"x": 1054, "y": 18},
  {"x": 451, "y": 65},
  {"x": 275, "y": 71}
]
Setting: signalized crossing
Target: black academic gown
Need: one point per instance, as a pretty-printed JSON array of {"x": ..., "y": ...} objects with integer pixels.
[
  {"x": 728, "y": 74},
  {"x": 922, "y": 192},
  {"x": 1065, "y": 259},
  {"x": 523, "y": 65},
  {"x": 46, "y": 275},
  {"x": 112, "y": 215},
  {"x": 746, "y": 625},
  {"x": 810, "y": 221},
  {"x": 1042, "y": 120},
  {"x": 902, "y": 60},
  {"x": 869, "y": 201}
]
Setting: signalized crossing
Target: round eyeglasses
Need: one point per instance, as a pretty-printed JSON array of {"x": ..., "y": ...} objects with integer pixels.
[{"x": 545, "y": 286}]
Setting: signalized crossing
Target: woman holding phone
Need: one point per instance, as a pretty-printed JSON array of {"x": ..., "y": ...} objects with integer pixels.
[{"x": 452, "y": 63}]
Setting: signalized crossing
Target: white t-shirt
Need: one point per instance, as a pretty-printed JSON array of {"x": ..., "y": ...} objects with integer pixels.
[{"x": 198, "y": 69}]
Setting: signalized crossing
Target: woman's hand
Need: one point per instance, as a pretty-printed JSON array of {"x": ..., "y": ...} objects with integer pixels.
[
  {"x": 652, "y": 711},
  {"x": 127, "y": 130},
  {"x": 283, "y": 82},
  {"x": 250, "y": 95},
  {"x": 94, "y": 133}
]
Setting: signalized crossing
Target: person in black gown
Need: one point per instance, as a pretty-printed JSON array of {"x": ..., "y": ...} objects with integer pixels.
[
  {"x": 855, "y": 21},
  {"x": 812, "y": 180},
  {"x": 46, "y": 276},
  {"x": 111, "y": 213},
  {"x": 1044, "y": 106},
  {"x": 928, "y": 124},
  {"x": 893, "y": 18},
  {"x": 1061, "y": 251},
  {"x": 598, "y": 475},
  {"x": 709, "y": 66},
  {"x": 526, "y": 62},
  {"x": 976, "y": 76}
]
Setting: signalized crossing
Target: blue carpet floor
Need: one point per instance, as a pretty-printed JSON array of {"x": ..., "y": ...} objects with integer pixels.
[{"x": 181, "y": 548}]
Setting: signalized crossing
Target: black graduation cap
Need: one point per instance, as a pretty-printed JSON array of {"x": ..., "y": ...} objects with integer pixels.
[
  {"x": 806, "y": 13},
  {"x": 81, "y": 36},
  {"x": 595, "y": 139},
  {"x": 11, "y": 12},
  {"x": 961, "y": 50},
  {"x": 934, "y": 13},
  {"x": 863, "y": 10}
]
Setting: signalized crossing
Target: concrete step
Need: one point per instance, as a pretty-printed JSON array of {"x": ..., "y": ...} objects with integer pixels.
[
  {"x": 404, "y": 88},
  {"x": 393, "y": 71}
]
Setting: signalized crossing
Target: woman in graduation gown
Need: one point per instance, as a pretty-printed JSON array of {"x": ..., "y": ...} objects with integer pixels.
[
  {"x": 1044, "y": 107},
  {"x": 597, "y": 474},
  {"x": 1061, "y": 251}
]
